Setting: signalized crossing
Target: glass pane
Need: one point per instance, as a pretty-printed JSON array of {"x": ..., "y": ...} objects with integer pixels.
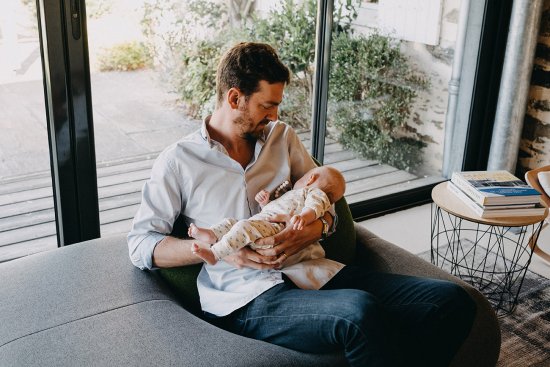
[
  {"x": 390, "y": 68},
  {"x": 27, "y": 219},
  {"x": 137, "y": 110},
  {"x": 153, "y": 79}
]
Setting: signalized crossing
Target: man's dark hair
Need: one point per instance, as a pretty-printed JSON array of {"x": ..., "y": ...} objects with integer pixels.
[{"x": 245, "y": 64}]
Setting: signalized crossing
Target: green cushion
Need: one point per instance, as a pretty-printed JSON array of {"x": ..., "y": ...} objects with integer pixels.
[
  {"x": 183, "y": 282},
  {"x": 340, "y": 246}
]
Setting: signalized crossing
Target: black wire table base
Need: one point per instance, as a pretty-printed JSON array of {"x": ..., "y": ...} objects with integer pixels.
[{"x": 492, "y": 258}]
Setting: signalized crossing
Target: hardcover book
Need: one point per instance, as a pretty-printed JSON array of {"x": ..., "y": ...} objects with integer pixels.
[
  {"x": 495, "y": 188},
  {"x": 498, "y": 211}
]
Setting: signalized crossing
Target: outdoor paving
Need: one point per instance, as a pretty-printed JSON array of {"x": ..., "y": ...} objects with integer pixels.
[{"x": 133, "y": 115}]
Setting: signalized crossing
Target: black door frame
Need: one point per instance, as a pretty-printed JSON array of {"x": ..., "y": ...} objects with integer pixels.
[{"x": 67, "y": 92}]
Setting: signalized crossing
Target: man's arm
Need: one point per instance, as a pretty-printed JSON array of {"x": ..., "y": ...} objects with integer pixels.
[{"x": 172, "y": 252}]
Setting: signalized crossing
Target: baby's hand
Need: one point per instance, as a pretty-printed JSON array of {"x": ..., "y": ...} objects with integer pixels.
[
  {"x": 262, "y": 197},
  {"x": 297, "y": 222}
]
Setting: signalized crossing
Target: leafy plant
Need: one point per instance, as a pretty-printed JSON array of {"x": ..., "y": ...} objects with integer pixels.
[
  {"x": 372, "y": 99},
  {"x": 125, "y": 57},
  {"x": 187, "y": 51},
  {"x": 372, "y": 85},
  {"x": 197, "y": 76},
  {"x": 291, "y": 31}
]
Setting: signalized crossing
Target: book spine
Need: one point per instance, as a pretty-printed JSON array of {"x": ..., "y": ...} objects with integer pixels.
[
  {"x": 465, "y": 199},
  {"x": 514, "y": 213},
  {"x": 466, "y": 187}
]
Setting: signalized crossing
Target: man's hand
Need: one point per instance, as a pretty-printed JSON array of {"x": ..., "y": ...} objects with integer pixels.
[
  {"x": 248, "y": 258},
  {"x": 289, "y": 241}
]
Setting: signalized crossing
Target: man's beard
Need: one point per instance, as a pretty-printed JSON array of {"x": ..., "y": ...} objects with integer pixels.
[{"x": 245, "y": 122}]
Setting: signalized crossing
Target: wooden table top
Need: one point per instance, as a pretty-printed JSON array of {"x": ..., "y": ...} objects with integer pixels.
[{"x": 448, "y": 201}]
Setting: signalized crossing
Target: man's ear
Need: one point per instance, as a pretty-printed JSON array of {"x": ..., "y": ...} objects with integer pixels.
[{"x": 233, "y": 96}]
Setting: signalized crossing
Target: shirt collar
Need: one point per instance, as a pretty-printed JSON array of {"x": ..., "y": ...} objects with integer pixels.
[{"x": 204, "y": 131}]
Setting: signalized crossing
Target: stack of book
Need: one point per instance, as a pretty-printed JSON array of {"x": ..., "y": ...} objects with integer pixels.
[{"x": 495, "y": 194}]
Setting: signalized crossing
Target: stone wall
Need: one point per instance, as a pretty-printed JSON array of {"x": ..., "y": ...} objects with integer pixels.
[{"x": 535, "y": 141}]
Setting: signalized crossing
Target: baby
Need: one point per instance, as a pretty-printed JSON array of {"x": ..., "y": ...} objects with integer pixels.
[{"x": 311, "y": 196}]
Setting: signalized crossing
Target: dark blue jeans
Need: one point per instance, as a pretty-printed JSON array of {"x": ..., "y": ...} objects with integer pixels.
[{"x": 377, "y": 319}]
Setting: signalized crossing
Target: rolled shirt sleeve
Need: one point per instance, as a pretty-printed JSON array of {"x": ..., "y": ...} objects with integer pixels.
[{"x": 160, "y": 206}]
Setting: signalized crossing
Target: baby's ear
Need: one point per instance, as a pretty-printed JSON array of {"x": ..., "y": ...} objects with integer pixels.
[{"x": 312, "y": 178}]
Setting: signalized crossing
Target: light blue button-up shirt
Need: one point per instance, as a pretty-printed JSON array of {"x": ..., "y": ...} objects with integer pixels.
[{"x": 197, "y": 179}]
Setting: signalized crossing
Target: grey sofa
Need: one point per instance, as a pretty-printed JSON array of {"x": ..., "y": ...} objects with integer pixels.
[{"x": 86, "y": 305}]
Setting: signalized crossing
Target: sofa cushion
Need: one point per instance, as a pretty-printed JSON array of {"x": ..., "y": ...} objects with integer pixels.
[
  {"x": 45, "y": 290},
  {"x": 150, "y": 333},
  {"x": 183, "y": 282}
]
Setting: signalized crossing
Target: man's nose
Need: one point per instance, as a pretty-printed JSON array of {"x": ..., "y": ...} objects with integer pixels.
[{"x": 273, "y": 114}]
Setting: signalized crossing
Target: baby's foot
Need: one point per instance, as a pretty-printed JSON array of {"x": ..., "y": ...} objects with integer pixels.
[
  {"x": 205, "y": 254},
  {"x": 202, "y": 234}
]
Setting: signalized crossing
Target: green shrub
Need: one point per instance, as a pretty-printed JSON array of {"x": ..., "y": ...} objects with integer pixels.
[
  {"x": 196, "y": 81},
  {"x": 371, "y": 88},
  {"x": 125, "y": 57},
  {"x": 291, "y": 30}
]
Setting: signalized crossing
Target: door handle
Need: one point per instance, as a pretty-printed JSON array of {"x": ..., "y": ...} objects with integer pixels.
[{"x": 75, "y": 19}]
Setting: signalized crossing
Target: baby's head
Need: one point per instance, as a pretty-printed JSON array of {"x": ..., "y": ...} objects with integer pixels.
[{"x": 325, "y": 178}]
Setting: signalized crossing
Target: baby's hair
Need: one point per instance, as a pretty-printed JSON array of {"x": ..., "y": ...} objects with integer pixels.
[{"x": 335, "y": 186}]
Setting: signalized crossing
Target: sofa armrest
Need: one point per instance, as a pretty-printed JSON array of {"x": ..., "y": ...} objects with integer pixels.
[{"x": 482, "y": 347}]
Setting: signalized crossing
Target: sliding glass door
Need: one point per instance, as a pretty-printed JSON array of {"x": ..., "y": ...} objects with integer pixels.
[
  {"x": 152, "y": 66},
  {"x": 27, "y": 218},
  {"x": 136, "y": 105}
]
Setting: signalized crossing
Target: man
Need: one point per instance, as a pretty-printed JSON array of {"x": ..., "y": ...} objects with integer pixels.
[{"x": 238, "y": 151}]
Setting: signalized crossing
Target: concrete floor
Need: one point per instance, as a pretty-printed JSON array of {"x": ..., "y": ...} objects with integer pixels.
[{"x": 410, "y": 229}]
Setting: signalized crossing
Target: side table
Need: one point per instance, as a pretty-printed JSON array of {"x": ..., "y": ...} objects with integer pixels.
[{"x": 491, "y": 254}]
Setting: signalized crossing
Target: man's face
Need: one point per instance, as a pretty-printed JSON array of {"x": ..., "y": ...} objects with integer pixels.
[{"x": 259, "y": 109}]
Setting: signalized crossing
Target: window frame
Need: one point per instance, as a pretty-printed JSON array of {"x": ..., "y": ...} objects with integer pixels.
[{"x": 67, "y": 90}]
